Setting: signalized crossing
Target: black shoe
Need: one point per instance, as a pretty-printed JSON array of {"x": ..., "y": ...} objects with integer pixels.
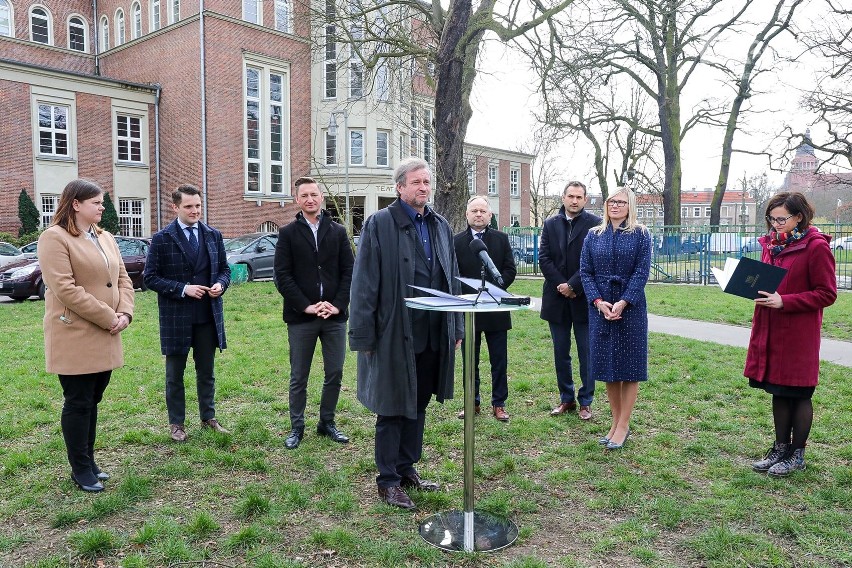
[
  {"x": 88, "y": 483},
  {"x": 330, "y": 430},
  {"x": 413, "y": 481},
  {"x": 396, "y": 497},
  {"x": 294, "y": 439},
  {"x": 101, "y": 475}
]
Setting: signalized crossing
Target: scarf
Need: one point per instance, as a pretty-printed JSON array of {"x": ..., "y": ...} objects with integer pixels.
[{"x": 780, "y": 241}]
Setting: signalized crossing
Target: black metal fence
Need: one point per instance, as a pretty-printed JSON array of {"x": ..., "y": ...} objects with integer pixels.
[{"x": 685, "y": 254}]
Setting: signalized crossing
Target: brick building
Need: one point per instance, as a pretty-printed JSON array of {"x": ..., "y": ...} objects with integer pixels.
[
  {"x": 829, "y": 192},
  {"x": 142, "y": 95},
  {"x": 738, "y": 208}
]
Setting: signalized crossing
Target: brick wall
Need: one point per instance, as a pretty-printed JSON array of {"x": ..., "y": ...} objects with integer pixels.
[{"x": 16, "y": 152}]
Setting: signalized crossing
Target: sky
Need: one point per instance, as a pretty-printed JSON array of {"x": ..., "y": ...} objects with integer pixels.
[{"x": 504, "y": 101}]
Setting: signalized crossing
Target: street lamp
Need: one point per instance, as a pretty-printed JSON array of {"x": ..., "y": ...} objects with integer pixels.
[{"x": 332, "y": 130}]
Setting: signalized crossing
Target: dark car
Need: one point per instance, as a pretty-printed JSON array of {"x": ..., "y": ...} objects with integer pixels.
[
  {"x": 22, "y": 279},
  {"x": 256, "y": 251},
  {"x": 523, "y": 248},
  {"x": 692, "y": 245},
  {"x": 750, "y": 244}
]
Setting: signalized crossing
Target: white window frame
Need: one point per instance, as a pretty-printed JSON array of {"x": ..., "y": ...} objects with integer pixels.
[
  {"x": 53, "y": 130},
  {"x": 684, "y": 212},
  {"x": 174, "y": 11},
  {"x": 156, "y": 15},
  {"x": 258, "y": 11},
  {"x": 330, "y": 148},
  {"x": 131, "y": 216},
  {"x": 329, "y": 78},
  {"x": 85, "y": 28},
  {"x": 725, "y": 211},
  {"x": 640, "y": 213},
  {"x": 136, "y": 20},
  {"x": 104, "y": 28},
  {"x": 284, "y": 16},
  {"x": 383, "y": 149},
  {"x": 356, "y": 138},
  {"x": 414, "y": 133},
  {"x": 10, "y": 11},
  {"x": 696, "y": 212},
  {"x": 428, "y": 143},
  {"x": 383, "y": 81},
  {"x": 130, "y": 140},
  {"x": 49, "y": 22},
  {"x": 514, "y": 218},
  {"x": 49, "y": 202},
  {"x": 514, "y": 181},
  {"x": 660, "y": 212},
  {"x": 493, "y": 179},
  {"x": 273, "y": 174},
  {"x": 356, "y": 79},
  {"x": 120, "y": 35},
  {"x": 707, "y": 211},
  {"x": 471, "y": 178}
]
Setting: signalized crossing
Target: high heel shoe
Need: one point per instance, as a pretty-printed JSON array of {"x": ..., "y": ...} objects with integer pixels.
[
  {"x": 604, "y": 441},
  {"x": 613, "y": 446},
  {"x": 95, "y": 488},
  {"x": 101, "y": 475}
]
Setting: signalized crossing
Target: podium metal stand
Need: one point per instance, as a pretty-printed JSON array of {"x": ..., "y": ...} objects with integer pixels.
[{"x": 468, "y": 530}]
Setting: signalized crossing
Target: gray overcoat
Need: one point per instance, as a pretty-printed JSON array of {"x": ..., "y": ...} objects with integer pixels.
[{"x": 379, "y": 322}]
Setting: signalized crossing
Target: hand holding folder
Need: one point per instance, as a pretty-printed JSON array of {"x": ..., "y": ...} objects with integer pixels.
[{"x": 746, "y": 276}]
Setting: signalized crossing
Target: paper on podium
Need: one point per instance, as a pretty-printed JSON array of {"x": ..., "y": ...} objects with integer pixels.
[
  {"x": 493, "y": 289},
  {"x": 745, "y": 276},
  {"x": 444, "y": 299}
]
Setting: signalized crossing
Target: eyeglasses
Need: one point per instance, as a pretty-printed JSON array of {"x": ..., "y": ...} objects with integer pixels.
[
  {"x": 613, "y": 203},
  {"x": 778, "y": 220}
]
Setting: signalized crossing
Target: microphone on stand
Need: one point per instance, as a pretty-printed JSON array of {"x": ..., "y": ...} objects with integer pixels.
[{"x": 478, "y": 248}]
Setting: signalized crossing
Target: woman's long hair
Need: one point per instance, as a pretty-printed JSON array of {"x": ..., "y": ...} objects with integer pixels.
[
  {"x": 80, "y": 190},
  {"x": 630, "y": 224}
]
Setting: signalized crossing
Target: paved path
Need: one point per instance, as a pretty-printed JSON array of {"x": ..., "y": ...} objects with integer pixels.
[{"x": 839, "y": 352}]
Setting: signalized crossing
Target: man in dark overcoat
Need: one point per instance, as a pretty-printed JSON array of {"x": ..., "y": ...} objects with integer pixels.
[
  {"x": 188, "y": 269},
  {"x": 494, "y": 325},
  {"x": 313, "y": 272},
  {"x": 405, "y": 356},
  {"x": 563, "y": 303}
]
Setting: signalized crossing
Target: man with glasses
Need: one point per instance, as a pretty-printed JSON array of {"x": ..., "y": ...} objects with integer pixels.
[{"x": 563, "y": 303}]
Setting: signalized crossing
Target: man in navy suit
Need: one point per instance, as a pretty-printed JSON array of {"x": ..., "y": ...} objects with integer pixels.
[
  {"x": 563, "y": 303},
  {"x": 494, "y": 325},
  {"x": 188, "y": 269}
]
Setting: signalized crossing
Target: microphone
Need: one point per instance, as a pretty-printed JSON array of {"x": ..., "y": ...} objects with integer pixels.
[{"x": 478, "y": 248}]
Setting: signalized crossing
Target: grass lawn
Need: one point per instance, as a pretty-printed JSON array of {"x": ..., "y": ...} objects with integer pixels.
[{"x": 681, "y": 492}]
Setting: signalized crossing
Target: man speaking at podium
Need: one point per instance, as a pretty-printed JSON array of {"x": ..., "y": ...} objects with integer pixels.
[
  {"x": 494, "y": 324},
  {"x": 404, "y": 355}
]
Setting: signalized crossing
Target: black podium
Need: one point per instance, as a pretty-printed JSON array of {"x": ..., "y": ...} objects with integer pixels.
[{"x": 467, "y": 530}]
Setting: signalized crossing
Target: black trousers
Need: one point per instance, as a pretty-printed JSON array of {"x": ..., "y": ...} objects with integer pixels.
[
  {"x": 79, "y": 420},
  {"x": 204, "y": 342},
  {"x": 399, "y": 440},
  {"x": 497, "y": 349}
]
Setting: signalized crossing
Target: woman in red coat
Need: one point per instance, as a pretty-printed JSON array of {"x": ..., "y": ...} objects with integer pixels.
[{"x": 792, "y": 314}]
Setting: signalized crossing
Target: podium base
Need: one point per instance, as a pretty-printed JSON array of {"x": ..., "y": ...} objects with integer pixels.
[{"x": 485, "y": 532}]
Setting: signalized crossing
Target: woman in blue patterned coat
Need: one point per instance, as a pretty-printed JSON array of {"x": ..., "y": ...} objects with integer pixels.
[{"x": 614, "y": 267}]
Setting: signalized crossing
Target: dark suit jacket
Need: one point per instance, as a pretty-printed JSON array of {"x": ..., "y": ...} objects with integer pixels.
[
  {"x": 301, "y": 265},
  {"x": 559, "y": 259},
  {"x": 169, "y": 267},
  {"x": 470, "y": 266}
]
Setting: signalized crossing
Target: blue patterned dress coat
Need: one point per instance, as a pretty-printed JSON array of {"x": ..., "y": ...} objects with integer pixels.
[{"x": 614, "y": 265}]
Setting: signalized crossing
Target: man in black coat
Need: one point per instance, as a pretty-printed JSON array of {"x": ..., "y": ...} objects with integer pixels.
[
  {"x": 496, "y": 324},
  {"x": 188, "y": 269},
  {"x": 563, "y": 303},
  {"x": 313, "y": 272}
]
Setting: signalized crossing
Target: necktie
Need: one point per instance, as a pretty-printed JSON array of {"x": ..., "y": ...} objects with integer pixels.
[
  {"x": 193, "y": 240},
  {"x": 478, "y": 236}
]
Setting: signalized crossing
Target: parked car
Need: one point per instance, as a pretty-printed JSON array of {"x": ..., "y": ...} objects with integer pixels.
[
  {"x": 750, "y": 245},
  {"x": 9, "y": 253},
  {"x": 22, "y": 279},
  {"x": 843, "y": 243},
  {"x": 523, "y": 248},
  {"x": 256, "y": 251},
  {"x": 30, "y": 250},
  {"x": 692, "y": 245}
]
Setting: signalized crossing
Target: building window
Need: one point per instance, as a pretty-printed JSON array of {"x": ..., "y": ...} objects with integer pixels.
[
  {"x": 156, "y": 20},
  {"x": 660, "y": 212},
  {"x": 76, "y": 33},
  {"x": 131, "y": 217},
  {"x": 515, "y": 182},
  {"x": 515, "y": 220},
  {"x": 427, "y": 136},
  {"x": 492, "y": 180},
  {"x": 53, "y": 130},
  {"x": 330, "y": 149},
  {"x": 356, "y": 147},
  {"x": 268, "y": 227},
  {"x": 5, "y": 18},
  {"x": 175, "y": 4},
  {"x": 266, "y": 133},
  {"x": 706, "y": 211},
  {"x": 684, "y": 212},
  {"x": 414, "y": 141},
  {"x": 383, "y": 86},
  {"x": 725, "y": 211},
  {"x": 640, "y": 213},
  {"x": 252, "y": 11},
  {"x": 48, "y": 208},
  {"x": 128, "y": 133},
  {"x": 119, "y": 27},
  {"x": 696, "y": 211},
  {"x": 471, "y": 178},
  {"x": 282, "y": 16},
  {"x": 382, "y": 148},
  {"x": 104, "y": 34},
  {"x": 40, "y": 28},
  {"x": 330, "y": 69},
  {"x": 356, "y": 79},
  {"x": 136, "y": 11}
]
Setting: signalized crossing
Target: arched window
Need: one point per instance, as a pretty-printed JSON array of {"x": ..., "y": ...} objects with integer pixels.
[
  {"x": 282, "y": 16},
  {"x": 156, "y": 23},
  {"x": 77, "y": 34},
  {"x": 40, "y": 25},
  {"x": 136, "y": 14},
  {"x": 6, "y": 18},
  {"x": 119, "y": 27},
  {"x": 104, "y": 34}
]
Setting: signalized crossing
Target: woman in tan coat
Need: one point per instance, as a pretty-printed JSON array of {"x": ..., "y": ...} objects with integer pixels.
[{"x": 89, "y": 301}]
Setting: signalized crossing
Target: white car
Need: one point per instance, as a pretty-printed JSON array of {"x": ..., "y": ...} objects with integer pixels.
[
  {"x": 842, "y": 243},
  {"x": 9, "y": 254}
]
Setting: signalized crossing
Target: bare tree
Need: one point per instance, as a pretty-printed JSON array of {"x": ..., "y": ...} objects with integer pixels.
[{"x": 545, "y": 176}]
